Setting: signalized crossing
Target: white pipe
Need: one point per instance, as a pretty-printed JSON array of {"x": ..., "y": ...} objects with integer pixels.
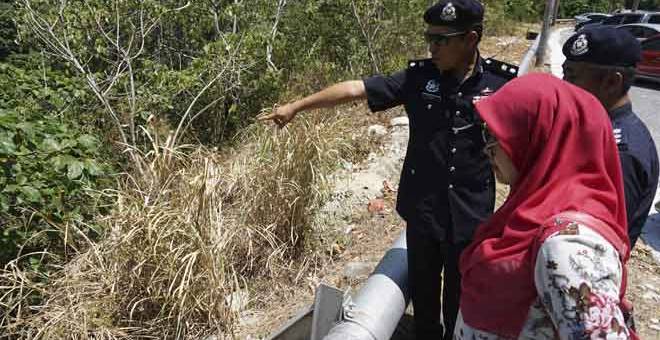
[
  {"x": 527, "y": 60},
  {"x": 375, "y": 311}
]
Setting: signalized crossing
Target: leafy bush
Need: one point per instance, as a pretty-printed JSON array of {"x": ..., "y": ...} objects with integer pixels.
[
  {"x": 48, "y": 172},
  {"x": 7, "y": 29},
  {"x": 524, "y": 10},
  {"x": 570, "y": 9},
  {"x": 50, "y": 166}
]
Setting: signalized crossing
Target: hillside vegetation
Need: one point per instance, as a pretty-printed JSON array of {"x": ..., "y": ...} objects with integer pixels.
[{"x": 137, "y": 194}]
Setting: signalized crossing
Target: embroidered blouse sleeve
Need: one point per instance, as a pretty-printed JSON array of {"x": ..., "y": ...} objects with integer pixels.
[{"x": 578, "y": 277}]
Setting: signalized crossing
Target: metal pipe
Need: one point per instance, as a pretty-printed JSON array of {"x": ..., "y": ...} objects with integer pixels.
[
  {"x": 527, "y": 60},
  {"x": 545, "y": 32},
  {"x": 375, "y": 311}
]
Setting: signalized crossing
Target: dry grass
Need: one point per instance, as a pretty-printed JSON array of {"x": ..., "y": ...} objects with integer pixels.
[
  {"x": 186, "y": 233},
  {"x": 290, "y": 180},
  {"x": 161, "y": 271}
]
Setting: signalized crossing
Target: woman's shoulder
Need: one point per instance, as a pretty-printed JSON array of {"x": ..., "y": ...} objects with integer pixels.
[
  {"x": 566, "y": 225},
  {"x": 569, "y": 230}
]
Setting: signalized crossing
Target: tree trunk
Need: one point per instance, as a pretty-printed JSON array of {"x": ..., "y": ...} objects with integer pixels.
[
  {"x": 632, "y": 4},
  {"x": 555, "y": 12}
]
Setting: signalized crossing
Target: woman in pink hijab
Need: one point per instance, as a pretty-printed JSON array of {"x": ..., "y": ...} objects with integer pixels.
[{"x": 550, "y": 263}]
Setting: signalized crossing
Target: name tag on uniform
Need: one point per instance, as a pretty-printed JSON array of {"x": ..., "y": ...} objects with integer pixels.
[
  {"x": 462, "y": 128},
  {"x": 484, "y": 93},
  {"x": 432, "y": 97}
]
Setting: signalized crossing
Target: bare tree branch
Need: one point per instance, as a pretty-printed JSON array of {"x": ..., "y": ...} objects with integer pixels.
[
  {"x": 61, "y": 48},
  {"x": 273, "y": 33},
  {"x": 366, "y": 36}
]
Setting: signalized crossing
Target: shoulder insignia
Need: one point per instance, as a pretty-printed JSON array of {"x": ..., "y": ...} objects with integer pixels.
[
  {"x": 617, "y": 135},
  {"x": 620, "y": 138},
  {"x": 501, "y": 68},
  {"x": 419, "y": 63}
]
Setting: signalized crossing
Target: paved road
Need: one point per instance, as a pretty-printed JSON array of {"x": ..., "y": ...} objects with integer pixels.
[{"x": 646, "y": 103}]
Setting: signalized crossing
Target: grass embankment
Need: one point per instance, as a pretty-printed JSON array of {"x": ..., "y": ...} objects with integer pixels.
[
  {"x": 186, "y": 233},
  {"x": 192, "y": 230}
]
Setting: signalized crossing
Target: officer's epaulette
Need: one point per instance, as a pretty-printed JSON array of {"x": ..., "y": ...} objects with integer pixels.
[
  {"x": 419, "y": 63},
  {"x": 620, "y": 138},
  {"x": 501, "y": 68}
]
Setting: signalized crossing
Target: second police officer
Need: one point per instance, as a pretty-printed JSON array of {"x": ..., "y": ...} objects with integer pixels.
[
  {"x": 602, "y": 61},
  {"x": 447, "y": 187}
]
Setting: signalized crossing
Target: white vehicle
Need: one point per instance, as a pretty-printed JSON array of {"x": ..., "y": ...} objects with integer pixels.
[
  {"x": 627, "y": 18},
  {"x": 582, "y": 18},
  {"x": 641, "y": 31}
]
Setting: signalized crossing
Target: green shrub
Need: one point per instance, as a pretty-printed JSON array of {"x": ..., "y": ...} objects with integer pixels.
[
  {"x": 49, "y": 170},
  {"x": 50, "y": 167},
  {"x": 7, "y": 29}
]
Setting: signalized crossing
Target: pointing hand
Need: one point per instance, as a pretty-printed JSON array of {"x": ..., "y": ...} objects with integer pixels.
[{"x": 281, "y": 115}]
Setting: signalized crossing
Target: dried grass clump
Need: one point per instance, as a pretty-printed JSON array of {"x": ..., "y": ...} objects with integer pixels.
[
  {"x": 286, "y": 177},
  {"x": 187, "y": 232},
  {"x": 161, "y": 271}
]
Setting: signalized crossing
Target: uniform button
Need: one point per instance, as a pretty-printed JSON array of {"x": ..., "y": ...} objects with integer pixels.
[
  {"x": 455, "y": 131},
  {"x": 452, "y": 169},
  {"x": 460, "y": 94},
  {"x": 458, "y": 113},
  {"x": 428, "y": 107},
  {"x": 412, "y": 171},
  {"x": 451, "y": 186},
  {"x": 453, "y": 150}
]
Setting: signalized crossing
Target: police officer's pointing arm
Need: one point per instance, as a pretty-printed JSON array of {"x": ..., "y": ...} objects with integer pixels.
[{"x": 329, "y": 97}]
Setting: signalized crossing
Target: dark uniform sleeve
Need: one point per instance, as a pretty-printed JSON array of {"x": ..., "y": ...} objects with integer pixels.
[
  {"x": 384, "y": 92},
  {"x": 639, "y": 187},
  {"x": 634, "y": 176}
]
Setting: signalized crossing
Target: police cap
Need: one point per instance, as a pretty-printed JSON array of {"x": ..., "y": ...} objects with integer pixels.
[
  {"x": 455, "y": 13},
  {"x": 606, "y": 46}
]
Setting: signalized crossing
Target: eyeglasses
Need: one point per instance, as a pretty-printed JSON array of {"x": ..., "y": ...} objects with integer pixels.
[
  {"x": 489, "y": 141},
  {"x": 486, "y": 137},
  {"x": 440, "y": 39},
  {"x": 489, "y": 149}
]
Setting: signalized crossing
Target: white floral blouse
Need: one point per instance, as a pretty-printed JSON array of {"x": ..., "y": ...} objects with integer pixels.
[{"x": 578, "y": 277}]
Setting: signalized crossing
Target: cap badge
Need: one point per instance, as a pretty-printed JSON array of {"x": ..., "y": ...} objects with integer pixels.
[
  {"x": 432, "y": 86},
  {"x": 449, "y": 12},
  {"x": 580, "y": 46}
]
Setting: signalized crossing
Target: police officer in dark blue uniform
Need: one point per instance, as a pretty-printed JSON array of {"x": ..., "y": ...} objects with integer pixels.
[
  {"x": 447, "y": 187},
  {"x": 602, "y": 61}
]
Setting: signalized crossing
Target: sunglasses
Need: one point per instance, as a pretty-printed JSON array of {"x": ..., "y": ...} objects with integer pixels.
[{"x": 441, "y": 39}]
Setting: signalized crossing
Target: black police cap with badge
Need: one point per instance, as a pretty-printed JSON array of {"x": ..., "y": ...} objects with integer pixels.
[
  {"x": 606, "y": 46},
  {"x": 461, "y": 15},
  {"x": 455, "y": 13}
]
